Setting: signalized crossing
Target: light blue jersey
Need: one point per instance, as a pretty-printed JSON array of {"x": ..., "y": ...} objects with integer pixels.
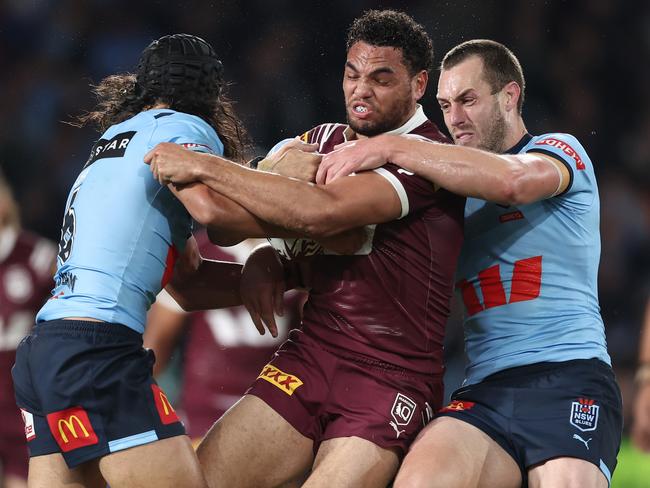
[
  {"x": 122, "y": 230},
  {"x": 528, "y": 274}
]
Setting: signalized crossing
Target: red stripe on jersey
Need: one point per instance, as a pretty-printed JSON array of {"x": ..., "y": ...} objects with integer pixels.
[
  {"x": 492, "y": 288},
  {"x": 470, "y": 298},
  {"x": 170, "y": 261},
  {"x": 526, "y": 279}
]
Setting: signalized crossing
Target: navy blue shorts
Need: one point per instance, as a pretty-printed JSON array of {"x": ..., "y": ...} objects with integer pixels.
[
  {"x": 547, "y": 410},
  {"x": 86, "y": 390}
]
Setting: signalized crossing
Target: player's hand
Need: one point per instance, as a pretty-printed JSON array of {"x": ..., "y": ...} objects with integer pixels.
[
  {"x": 347, "y": 242},
  {"x": 641, "y": 426},
  {"x": 352, "y": 157},
  {"x": 172, "y": 163},
  {"x": 296, "y": 159},
  {"x": 262, "y": 288}
]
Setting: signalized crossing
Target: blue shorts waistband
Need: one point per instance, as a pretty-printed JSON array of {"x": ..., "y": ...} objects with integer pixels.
[{"x": 86, "y": 327}]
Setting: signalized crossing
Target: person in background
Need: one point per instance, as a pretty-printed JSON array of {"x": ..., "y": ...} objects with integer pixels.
[{"x": 27, "y": 263}]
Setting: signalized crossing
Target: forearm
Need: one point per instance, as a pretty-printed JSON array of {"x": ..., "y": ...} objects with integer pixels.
[
  {"x": 298, "y": 206},
  {"x": 227, "y": 221},
  {"x": 470, "y": 172},
  {"x": 215, "y": 284}
]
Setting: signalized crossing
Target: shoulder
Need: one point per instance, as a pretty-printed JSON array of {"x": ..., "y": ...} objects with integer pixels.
[
  {"x": 566, "y": 146},
  {"x": 430, "y": 131},
  {"x": 324, "y": 132},
  {"x": 188, "y": 130}
]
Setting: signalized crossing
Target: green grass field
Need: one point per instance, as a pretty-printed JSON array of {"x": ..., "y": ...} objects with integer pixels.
[{"x": 633, "y": 470}]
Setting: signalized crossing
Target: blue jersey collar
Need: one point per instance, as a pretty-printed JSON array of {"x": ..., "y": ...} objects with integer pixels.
[{"x": 520, "y": 145}]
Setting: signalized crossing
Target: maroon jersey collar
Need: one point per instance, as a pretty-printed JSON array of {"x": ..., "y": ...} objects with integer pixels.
[{"x": 418, "y": 118}]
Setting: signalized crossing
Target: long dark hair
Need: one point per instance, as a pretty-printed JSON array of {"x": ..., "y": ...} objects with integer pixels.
[
  {"x": 118, "y": 100},
  {"x": 181, "y": 72}
]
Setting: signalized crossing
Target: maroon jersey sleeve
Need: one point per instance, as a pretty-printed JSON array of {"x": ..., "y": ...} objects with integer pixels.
[{"x": 415, "y": 193}]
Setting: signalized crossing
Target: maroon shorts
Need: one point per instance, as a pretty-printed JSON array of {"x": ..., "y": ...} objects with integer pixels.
[{"x": 325, "y": 395}]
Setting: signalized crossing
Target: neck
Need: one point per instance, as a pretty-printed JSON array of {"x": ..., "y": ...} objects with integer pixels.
[{"x": 515, "y": 133}]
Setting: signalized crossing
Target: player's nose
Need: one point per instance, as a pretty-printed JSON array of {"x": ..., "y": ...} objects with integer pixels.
[
  {"x": 362, "y": 89},
  {"x": 456, "y": 115}
]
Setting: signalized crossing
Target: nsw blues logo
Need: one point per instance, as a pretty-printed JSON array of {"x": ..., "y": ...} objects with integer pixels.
[{"x": 584, "y": 414}]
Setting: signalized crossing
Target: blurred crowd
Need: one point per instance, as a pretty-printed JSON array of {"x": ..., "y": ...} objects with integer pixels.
[{"x": 586, "y": 63}]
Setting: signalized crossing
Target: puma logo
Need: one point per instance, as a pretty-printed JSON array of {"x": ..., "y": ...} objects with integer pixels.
[
  {"x": 397, "y": 431},
  {"x": 585, "y": 442}
]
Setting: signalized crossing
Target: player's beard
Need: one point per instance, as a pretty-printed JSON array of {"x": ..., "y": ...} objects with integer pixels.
[
  {"x": 395, "y": 116},
  {"x": 496, "y": 133}
]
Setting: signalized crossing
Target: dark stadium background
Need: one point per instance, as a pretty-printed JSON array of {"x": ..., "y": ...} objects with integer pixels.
[{"x": 586, "y": 62}]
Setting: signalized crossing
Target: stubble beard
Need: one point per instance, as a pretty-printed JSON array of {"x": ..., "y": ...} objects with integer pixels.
[
  {"x": 391, "y": 121},
  {"x": 496, "y": 134}
]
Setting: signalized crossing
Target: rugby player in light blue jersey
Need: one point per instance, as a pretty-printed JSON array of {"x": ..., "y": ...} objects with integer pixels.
[
  {"x": 540, "y": 405},
  {"x": 93, "y": 413}
]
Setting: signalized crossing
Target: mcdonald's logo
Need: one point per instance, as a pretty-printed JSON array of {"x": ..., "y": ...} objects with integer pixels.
[
  {"x": 165, "y": 410},
  {"x": 72, "y": 429}
]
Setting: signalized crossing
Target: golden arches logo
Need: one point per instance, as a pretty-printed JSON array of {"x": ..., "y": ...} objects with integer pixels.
[{"x": 71, "y": 428}]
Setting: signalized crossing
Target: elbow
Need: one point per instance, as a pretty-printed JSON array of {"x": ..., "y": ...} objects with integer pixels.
[
  {"x": 513, "y": 188},
  {"x": 205, "y": 212},
  {"x": 322, "y": 224}
]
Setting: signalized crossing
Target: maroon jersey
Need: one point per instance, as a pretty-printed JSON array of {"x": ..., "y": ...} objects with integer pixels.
[
  {"x": 224, "y": 352},
  {"x": 26, "y": 269},
  {"x": 391, "y": 305}
]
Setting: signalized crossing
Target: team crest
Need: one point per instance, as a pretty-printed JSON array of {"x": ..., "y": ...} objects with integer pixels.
[
  {"x": 402, "y": 413},
  {"x": 584, "y": 414}
]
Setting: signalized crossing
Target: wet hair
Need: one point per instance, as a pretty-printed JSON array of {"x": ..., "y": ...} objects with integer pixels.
[
  {"x": 394, "y": 29},
  {"x": 500, "y": 65},
  {"x": 181, "y": 71}
]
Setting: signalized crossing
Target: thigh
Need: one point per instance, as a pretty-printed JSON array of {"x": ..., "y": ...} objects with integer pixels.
[
  {"x": 252, "y": 445},
  {"x": 352, "y": 462},
  {"x": 450, "y": 453},
  {"x": 167, "y": 463},
  {"x": 566, "y": 472},
  {"x": 51, "y": 471}
]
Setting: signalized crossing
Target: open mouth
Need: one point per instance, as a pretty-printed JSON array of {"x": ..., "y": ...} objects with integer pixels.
[{"x": 361, "y": 110}]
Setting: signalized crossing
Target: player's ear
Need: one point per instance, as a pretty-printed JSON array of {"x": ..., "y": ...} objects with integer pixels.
[
  {"x": 512, "y": 92},
  {"x": 419, "y": 84}
]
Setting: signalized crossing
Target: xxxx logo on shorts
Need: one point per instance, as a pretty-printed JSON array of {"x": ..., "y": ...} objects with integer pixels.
[
  {"x": 71, "y": 428},
  {"x": 288, "y": 383},
  {"x": 165, "y": 410},
  {"x": 584, "y": 414},
  {"x": 457, "y": 406}
]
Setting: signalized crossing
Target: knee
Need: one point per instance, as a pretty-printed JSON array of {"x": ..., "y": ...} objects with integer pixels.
[{"x": 421, "y": 478}]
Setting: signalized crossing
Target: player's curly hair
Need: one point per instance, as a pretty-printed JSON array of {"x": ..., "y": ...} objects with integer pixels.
[
  {"x": 182, "y": 80},
  {"x": 394, "y": 29},
  {"x": 500, "y": 65}
]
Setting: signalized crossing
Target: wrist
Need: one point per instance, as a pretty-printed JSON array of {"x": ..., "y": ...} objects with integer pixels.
[
  {"x": 198, "y": 170},
  {"x": 642, "y": 376}
]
